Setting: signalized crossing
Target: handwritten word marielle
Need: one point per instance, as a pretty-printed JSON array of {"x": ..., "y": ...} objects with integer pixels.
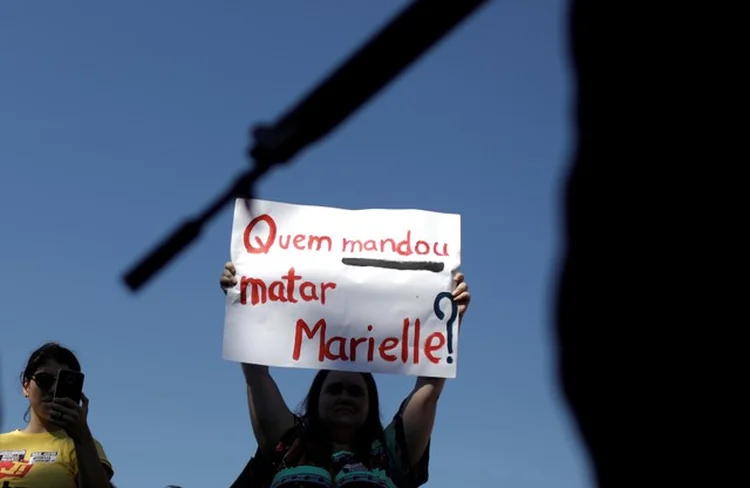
[
  {"x": 389, "y": 349},
  {"x": 254, "y": 244}
]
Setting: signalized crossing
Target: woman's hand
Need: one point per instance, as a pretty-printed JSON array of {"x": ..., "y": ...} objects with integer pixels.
[
  {"x": 227, "y": 279},
  {"x": 461, "y": 295},
  {"x": 71, "y": 417}
]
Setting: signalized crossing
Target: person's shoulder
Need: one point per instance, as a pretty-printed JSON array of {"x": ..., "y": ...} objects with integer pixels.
[
  {"x": 71, "y": 444},
  {"x": 9, "y": 435},
  {"x": 99, "y": 447},
  {"x": 103, "y": 457},
  {"x": 96, "y": 441}
]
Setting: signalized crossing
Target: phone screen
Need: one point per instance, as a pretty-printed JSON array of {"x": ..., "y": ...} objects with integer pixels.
[{"x": 69, "y": 385}]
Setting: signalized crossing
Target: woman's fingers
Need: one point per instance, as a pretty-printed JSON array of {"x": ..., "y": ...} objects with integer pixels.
[
  {"x": 461, "y": 293},
  {"x": 227, "y": 279}
]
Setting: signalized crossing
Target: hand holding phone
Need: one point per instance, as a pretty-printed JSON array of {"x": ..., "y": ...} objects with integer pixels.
[{"x": 69, "y": 384}]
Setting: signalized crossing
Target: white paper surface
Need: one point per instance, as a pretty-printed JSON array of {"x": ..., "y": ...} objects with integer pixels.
[{"x": 294, "y": 274}]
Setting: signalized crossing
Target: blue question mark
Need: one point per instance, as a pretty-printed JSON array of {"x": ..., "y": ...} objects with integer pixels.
[{"x": 451, "y": 320}]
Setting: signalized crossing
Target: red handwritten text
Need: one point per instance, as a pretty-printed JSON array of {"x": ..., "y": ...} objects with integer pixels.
[
  {"x": 404, "y": 247},
  {"x": 288, "y": 289},
  {"x": 390, "y": 349},
  {"x": 301, "y": 242},
  {"x": 256, "y": 244}
]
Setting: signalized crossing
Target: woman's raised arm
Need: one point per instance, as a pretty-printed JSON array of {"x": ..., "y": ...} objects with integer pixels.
[
  {"x": 421, "y": 405},
  {"x": 269, "y": 414}
]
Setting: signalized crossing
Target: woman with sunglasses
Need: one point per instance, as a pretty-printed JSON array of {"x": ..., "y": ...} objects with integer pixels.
[
  {"x": 56, "y": 449},
  {"x": 338, "y": 439}
]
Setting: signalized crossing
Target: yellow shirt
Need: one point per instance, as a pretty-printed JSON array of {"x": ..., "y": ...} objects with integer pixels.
[{"x": 46, "y": 460}]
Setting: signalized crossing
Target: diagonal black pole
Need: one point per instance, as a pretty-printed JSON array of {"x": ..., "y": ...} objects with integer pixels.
[{"x": 370, "y": 68}]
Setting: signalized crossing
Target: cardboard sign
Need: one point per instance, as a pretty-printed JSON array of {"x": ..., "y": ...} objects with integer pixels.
[{"x": 350, "y": 290}]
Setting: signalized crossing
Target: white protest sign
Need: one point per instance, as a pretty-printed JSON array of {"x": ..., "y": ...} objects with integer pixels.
[{"x": 350, "y": 290}]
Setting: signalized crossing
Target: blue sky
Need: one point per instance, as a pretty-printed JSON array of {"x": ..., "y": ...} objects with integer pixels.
[{"x": 120, "y": 118}]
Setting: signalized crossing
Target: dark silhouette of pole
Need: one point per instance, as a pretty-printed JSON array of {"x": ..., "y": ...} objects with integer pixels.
[{"x": 375, "y": 64}]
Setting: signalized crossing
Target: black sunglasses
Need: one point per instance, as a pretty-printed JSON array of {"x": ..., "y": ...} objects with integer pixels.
[{"x": 44, "y": 380}]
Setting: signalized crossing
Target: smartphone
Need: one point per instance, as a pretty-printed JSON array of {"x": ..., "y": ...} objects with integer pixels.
[{"x": 69, "y": 385}]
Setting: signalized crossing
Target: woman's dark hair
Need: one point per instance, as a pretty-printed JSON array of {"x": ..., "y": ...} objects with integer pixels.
[
  {"x": 50, "y": 351},
  {"x": 314, "y": 434}
]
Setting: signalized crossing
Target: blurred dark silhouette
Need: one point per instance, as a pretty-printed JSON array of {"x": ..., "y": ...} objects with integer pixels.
[
  {"x": 385, "y": 55},
  {"x": 646, "y": 203}
]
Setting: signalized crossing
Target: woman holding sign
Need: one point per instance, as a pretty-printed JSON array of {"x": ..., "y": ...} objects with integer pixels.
[
  {"x": 56, "y": 449},
  {"x": 339, "y": 439}
]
